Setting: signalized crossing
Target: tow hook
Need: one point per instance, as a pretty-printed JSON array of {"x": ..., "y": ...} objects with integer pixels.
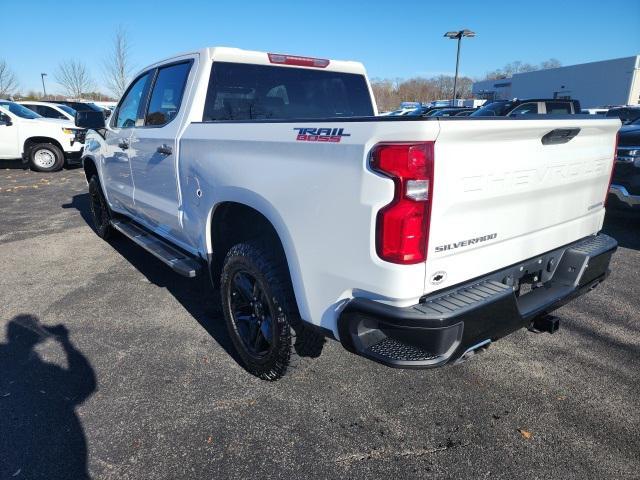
[{"x": 545, "y": 323}]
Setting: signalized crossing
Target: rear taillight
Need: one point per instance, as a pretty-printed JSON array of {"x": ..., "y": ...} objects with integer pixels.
[
  {"x": 613, "y": 166},
  {"x": 402, "y": 227},
  {"x": 296, "y": 60}
]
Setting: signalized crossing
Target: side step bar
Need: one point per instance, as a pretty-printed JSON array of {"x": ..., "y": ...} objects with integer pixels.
[{"x": 178, "y": 261}]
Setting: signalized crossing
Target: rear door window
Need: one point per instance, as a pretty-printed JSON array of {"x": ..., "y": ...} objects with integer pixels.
[
  {"x": 253, "y": 92},
  {"x": 166, "y": 95}
]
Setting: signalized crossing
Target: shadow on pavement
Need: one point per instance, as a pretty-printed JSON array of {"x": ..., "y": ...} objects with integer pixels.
[
  {"x": 19, "y": 165},
  {"x": 41, "y": 435},
  {"x": 81, "y": 203},
  {"x": 624, "y": 226},
  {"x": 196, "y": 295},
  {"x": 13, "y": 165}
]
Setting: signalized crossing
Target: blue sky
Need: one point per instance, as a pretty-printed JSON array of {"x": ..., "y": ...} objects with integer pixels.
[{"x": 394, "y": 39}]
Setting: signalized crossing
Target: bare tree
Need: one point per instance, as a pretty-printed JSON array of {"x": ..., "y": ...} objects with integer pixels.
[
  {"x": 518, "y": 67},
  {"x": 117, "y": 66},
  {"x": 74, "y": 78},
  {"x": 8, "y": 80},
  {"x": 551, "y": 63}
]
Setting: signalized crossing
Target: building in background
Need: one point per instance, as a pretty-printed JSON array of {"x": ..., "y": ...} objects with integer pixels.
[{"x": 609, "y": 82}]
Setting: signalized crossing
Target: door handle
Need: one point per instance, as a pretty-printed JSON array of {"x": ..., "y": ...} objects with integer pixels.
[
  {"x": 164, "y": 149},
  {"x": 124, "y": 144}
]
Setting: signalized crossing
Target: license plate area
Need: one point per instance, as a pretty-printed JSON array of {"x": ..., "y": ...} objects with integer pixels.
[{"x": 527, "y": 283}]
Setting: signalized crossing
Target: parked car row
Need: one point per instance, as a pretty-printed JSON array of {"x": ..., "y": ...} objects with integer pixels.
[
  {"x": 26, "y": 133},
  {"x": 517, "y": 107},
  {"x": 499, "y": 108},
  {"x": 432, "y": 111}
]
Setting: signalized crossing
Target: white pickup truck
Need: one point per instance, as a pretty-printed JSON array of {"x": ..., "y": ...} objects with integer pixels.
[
  {"x": 414, "y": 242},
  {"x": 44, "y": 143}
]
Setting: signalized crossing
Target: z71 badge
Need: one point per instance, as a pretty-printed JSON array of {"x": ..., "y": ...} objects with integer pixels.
[{"x": 320, "y": 134}]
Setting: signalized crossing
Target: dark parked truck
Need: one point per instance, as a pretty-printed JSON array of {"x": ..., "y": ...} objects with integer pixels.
[
  {"x": 412, "y": 241},
  {"x": 625, "y": 185}
]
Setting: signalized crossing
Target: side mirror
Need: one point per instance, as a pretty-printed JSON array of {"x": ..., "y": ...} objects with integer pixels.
[
  {"x": 5, "y": 120},
  {"x": 90, "y": 120}
]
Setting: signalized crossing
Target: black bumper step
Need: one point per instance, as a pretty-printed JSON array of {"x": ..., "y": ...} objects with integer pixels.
[
  {"x": 178, "y": 261},
  {"x": 447, "y": 325},
  {"x": 396, "y": 350}
]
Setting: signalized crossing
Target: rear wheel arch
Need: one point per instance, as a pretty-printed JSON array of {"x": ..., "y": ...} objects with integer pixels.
[
  {"x": 90, "y": 168},
  {"x": 233, "y": 222}
]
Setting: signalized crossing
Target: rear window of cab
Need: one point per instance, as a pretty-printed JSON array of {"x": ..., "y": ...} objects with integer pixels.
[{"x": 239, "y": 91}]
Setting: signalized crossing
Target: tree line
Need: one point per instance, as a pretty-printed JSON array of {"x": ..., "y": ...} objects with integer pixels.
[
  {"x": 390, "y": 93},
  {"x": 74, "y": 78}
]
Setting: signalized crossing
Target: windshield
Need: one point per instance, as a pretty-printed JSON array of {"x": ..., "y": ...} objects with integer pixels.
[
  {"x": 493, "y": 109},
  {"x": 67, "y": 109},
  {"x": 19, "y": 110}
]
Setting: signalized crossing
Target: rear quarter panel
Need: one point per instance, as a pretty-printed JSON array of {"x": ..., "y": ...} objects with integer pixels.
[{"x": 321, "y": 198}]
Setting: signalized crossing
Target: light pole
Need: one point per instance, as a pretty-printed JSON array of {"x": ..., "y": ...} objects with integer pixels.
[
  {"x": 458, "y": 36},
  {"x": 44, "y": 90}
]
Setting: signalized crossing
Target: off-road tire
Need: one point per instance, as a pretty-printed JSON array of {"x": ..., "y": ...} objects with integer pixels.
[
  {"x": 292, "y": 339},
  {"x": 100, "y": 211}
]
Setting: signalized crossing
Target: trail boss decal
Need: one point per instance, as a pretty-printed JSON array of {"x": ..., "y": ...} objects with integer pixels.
[
  {"x": 333, "y": 135},
  {"x": 465, "y": 243}
]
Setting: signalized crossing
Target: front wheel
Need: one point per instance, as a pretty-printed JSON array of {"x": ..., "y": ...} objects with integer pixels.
[
  {"x": 100, "y": 211},
  {"x": 46, "y": 157}
]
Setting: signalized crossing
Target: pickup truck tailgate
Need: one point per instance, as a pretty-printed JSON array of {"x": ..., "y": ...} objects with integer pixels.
[{"x": 502, "y": 193}]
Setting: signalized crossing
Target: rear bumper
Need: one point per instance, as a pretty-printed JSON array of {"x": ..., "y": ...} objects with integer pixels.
[
  {"x": 444, "y": 326},
  {"x": 623, "y": 196}
]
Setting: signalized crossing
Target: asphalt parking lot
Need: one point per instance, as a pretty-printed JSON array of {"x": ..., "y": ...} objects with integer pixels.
[{"x": 145, "y": 384}]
